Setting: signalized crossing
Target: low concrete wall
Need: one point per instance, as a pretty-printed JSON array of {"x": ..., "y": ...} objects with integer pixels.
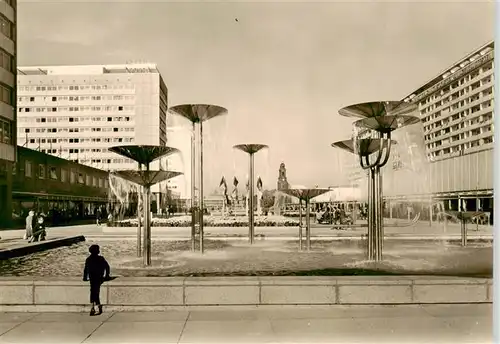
[
  {"x": 29, "y": 248},
  {"x": 26, "y": 294}
]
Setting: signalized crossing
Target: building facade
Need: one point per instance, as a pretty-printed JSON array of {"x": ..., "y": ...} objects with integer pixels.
[
  {"x": 56, "y": 186},
  {"x": 78, "y": 112},
  {"x": 456, "y": 110},
  {"x": 8, "y": 49}
]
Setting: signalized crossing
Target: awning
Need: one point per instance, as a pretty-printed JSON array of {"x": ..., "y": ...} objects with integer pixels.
[{"x": 57, "y": 197}]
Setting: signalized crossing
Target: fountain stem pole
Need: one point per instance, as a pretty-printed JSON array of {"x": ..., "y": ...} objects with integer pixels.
[
  {"x": 139, "y": 227},
  {"x": 371, "y": 223},
  {"x": 300, "y": 225},
  {"x": 193, "y": 191},
  {"x": 463, "y": 228},
  {"x": 202, "y": 208},
  {"x": 379, "y": 218},
  {"x": 250, "y": 202},
  {"x": 147, "y": 224},
  {"x": 308, "y": 226}
]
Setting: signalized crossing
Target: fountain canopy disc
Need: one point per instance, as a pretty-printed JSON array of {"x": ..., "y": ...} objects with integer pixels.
[
  {"x": 386, "y": 124},
  {"x": 198, "y": 112},
  {"x": 250, "y": 148},
  {"x": 363, "y": 147},
  {"x": 305, "y": 194},
  {"x": 378, "y": 109},
  {"x": 143, "y": 154},
  {"x": 146, "y": 178}
]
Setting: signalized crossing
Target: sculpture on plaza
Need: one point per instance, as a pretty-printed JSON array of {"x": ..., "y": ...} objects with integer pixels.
[
  {"x": 259, "y": 196},
  {"x": 226, "y": 203},
  {"x": 247, "y": 197}
]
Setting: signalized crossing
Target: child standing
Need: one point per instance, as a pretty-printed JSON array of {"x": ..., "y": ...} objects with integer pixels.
[{"x": 96, "y": 271}]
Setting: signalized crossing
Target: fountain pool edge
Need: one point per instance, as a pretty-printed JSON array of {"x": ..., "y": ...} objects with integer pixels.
[
  {"x": 28, "y": 294},
  {"x": 29, "y": 248}
]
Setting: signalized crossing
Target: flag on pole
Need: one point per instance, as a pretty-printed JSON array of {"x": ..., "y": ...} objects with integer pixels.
[
  {"x": 259, "y": 184},
  {"x": 234, "y": 194},
  {"x": 223, "y": 183}
]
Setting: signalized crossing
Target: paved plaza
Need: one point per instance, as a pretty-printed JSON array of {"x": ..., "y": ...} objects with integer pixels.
[
  {"x": 420, "y": 229},
  {"x": 334, "y": 324}
]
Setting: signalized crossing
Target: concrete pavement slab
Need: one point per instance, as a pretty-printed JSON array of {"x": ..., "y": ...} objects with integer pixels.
[
  {"x": 237, "y": 331},
  {"x": 16, "y": 317},
  {"x": 313, "y": 330},
  {"x": 164, "y": 332},
  {"x": 227, "y": 315},
  {"x": 7, "y": 326},
  {"x": 470, "y": 329},
  {"x": 149, "y": 316},
  {"x": 361, "y": 311},
  {"x": 457, "y": 310},
  {"x": 273, "y": 324},
  {"x": 49, "y": 332},
  {"x": 69, "y": 317}
]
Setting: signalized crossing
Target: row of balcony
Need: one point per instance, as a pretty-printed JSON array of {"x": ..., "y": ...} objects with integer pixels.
[{"x": 459, "y": 107}]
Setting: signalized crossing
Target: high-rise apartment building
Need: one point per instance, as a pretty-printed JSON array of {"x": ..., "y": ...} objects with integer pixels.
[
  {"x": 456, "y": 109},
  {"x": 78, "y": 112},
  {"x": 8, "y": 48}
]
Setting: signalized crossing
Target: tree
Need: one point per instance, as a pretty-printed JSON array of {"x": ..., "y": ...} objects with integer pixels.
[{"x": 267, "y": 199}]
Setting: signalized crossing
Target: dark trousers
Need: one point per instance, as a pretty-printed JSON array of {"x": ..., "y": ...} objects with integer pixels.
[{"x": 95, "y": 289}]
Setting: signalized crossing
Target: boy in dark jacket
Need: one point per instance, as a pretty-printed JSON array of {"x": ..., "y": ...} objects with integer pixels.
[{"x": 96, "y": 271}]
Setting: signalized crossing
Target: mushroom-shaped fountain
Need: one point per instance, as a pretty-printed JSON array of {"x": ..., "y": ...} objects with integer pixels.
[
  {"x": 379, "y": 120},
  {"x": 197, "y": 113},
  {"x": 305, "y": 195},
  {"x": 250, "y": 149},
  {"x": 144, "y": 155},
  {"x": 464, "y": 215}
]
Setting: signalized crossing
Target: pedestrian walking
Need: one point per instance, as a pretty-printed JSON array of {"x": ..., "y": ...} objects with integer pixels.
[
  {"x": 96, "y": 271},
  {"x": 98, "y": 216},
  {"x": 29, "y": 225}
]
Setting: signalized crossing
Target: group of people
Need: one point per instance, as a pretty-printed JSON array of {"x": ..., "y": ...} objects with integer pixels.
[{"x": 35, "y": 227}]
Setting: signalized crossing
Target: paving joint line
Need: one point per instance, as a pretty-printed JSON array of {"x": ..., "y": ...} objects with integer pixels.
[
  {"x": 183, "y": 328},
  {"x": 21, "y": 323},
  {"x": 98, "y": 327}
]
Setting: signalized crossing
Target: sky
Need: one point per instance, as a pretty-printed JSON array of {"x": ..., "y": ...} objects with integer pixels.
[{"x": 282, "y": 69}]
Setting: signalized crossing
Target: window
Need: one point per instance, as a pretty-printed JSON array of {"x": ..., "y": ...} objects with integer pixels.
[
  {"x": 54, "y": 99},
  {"x": 6, "y": 132},
  {"x": 6, "y": 27},
  {"x": 64, "y": 175},
  {"x": 27, "y": 168},
  {"x": 81, "y": 178},
  {"x": 88, "y": 180},
  {"x": 7, "y": 95},
  {"x": 53, "y": 173},
  {"x": 7, "y": 61},
  {"x": 41, "y": 171},
  {"x": 72, "y": 177}
]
